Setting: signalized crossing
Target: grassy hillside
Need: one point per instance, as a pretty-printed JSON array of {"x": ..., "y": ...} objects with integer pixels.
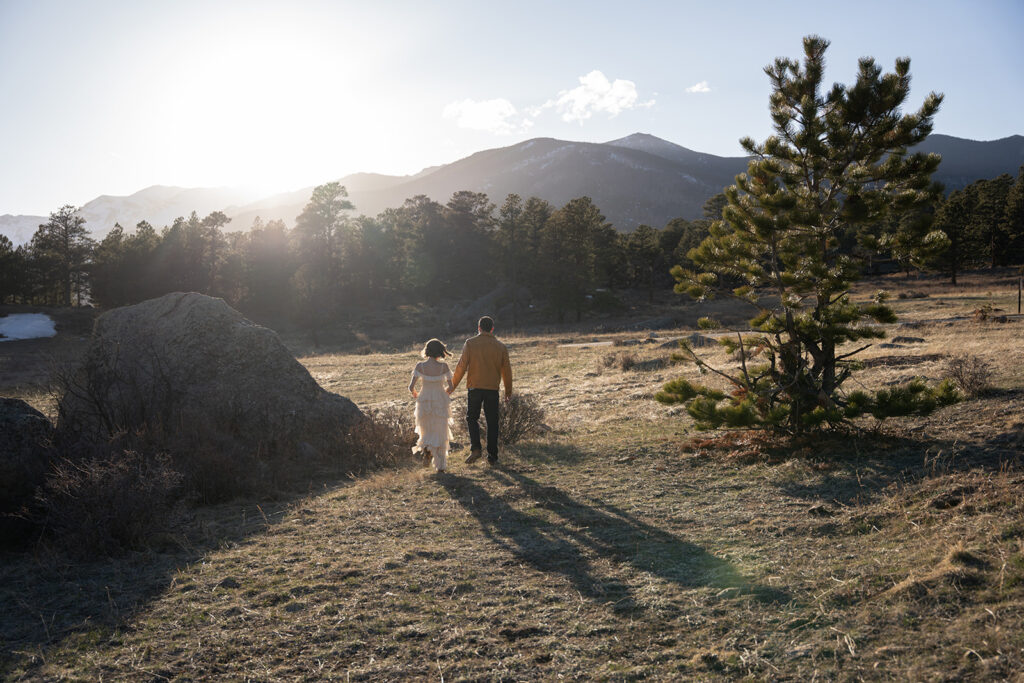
[{"x": 619, "y": 545}]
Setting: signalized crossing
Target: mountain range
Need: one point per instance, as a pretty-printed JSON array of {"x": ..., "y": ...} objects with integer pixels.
[{"x": 638, "y": 179}]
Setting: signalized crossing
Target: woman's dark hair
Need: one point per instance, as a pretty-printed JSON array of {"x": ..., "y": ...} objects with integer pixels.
[{"x": 435, "y": 348}]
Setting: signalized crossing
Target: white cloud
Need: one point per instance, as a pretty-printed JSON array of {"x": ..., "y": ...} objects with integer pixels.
[
  {"x": 596, "y": 93},
  {"x": 496, "y": 116},
  {"x": 699, "y": 87}
]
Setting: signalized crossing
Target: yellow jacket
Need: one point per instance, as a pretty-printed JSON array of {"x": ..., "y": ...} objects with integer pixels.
[{"x": 484, "y": 363}]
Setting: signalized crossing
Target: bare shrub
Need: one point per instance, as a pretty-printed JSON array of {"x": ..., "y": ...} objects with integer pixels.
[
  {"x": 519, "y": 418},
  {"x": 972, "y": 375},
  {"x": 384, "y": 439},
  {"x": 213, "y": 474},
  {"x": 629, "y": 361},
  {"x": 623, "y": 360},
  {"x": 107, "y": 505}
]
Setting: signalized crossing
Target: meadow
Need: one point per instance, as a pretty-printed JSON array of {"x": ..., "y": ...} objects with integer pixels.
[{"x": 619, "y": 544}]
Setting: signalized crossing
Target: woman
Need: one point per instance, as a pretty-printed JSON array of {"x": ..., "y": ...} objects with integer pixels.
[{"x": 433, "y": 404}]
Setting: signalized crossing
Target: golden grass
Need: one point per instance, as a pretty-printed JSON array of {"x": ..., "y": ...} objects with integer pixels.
[{"x": 619, "y": 546}]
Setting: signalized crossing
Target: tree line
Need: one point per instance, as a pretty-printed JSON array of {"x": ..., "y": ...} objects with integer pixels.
[
  {"x": 984, "y": 223},
  {"x": 565, "y": 259},
  {"x": 333, "y": 262}
]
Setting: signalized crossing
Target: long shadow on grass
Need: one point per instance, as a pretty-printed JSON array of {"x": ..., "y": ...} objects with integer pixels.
[
  {"x": 878, "y": 461},
  {"x": 46, "y": 599},
  {"x": 578, "y": 534}
]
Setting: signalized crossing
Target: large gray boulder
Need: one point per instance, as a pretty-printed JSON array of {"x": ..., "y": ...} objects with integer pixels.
[
  {"x": 26, "y": 437},
  {"x": 191, "y": 369}
]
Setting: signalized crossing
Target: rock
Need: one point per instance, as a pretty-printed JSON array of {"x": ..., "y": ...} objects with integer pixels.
[
  {"x": 462, "y": 317},
  {"x": 661, "y": 323},
  {"x": 891, "y": 346},
  {"x": 907, "y": 340},
  {"x": 695, "y": 340},
  {"x": 188, "y": 366},
  {"x": 26, "y": 437},
  {"x": 819, "y": 511}
]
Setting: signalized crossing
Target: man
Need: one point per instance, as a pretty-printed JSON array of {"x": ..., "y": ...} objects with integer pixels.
[{"x": 485, "y": 365}]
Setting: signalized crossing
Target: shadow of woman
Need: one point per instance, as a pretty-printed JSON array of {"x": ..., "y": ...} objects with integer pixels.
[{"x": 580, "y": 533}]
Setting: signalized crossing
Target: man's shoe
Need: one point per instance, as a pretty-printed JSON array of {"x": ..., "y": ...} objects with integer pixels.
[
  {"x": 492, "y": 460},
  {"x": 474, "y": 455}
]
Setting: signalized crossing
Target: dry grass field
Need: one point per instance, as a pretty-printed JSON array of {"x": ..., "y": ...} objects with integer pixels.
[{"x": 618, "y": 545}]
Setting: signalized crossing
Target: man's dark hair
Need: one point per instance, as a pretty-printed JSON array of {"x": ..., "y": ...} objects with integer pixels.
[{"x": 486, "y": 324}]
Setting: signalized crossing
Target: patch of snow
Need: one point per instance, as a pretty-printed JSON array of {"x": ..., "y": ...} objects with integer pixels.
[
  {"x": 544, "y": 160},
  {"x": 27, "y": 326},
  {"x": 615, "y": 156},
  {"x": 19, "y": 229}
]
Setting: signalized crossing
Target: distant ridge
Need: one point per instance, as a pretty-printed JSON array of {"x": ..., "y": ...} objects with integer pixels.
[
  {"x": 638, "y": 179},
  {"x": 964, "y": 161}
]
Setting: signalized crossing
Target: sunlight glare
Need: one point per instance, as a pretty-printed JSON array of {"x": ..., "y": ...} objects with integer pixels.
[{"x": 250, "y": 106}]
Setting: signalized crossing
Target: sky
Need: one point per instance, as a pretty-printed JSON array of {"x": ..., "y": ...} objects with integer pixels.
[{"x": 112, "y": 97}]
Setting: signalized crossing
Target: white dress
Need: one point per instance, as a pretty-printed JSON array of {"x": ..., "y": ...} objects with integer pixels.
[{"x": 434, "y": 416}]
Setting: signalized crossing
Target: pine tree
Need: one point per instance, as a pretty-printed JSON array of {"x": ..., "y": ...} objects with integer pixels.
[
  {"x": 570, "y": 256},
  {"x": 1013, "y": 220},
  {"x": 952, "y": 217},
  {"x": 469, "y": 219},
  {"x": 268, "y": 270},
  {"x": 9, "y": 269},
  {"x": 64, "y": 243},
  {"x": 987, "y": 223},
  {"x": 320, "y": 236},
  {"x": 511, "y": 248},
  {"x": 644, "y": 257},
  {"x": 837, "y": 160}
]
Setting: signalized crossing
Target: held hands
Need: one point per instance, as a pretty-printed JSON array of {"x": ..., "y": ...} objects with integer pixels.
[{"x": 414, "y": 394}]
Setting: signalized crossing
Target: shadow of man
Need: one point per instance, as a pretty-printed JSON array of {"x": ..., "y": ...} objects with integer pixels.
[{"x": 580, "y": 533}]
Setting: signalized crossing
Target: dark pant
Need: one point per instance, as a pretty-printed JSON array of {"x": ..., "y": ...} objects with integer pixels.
[{"x": 488, "y": 399}]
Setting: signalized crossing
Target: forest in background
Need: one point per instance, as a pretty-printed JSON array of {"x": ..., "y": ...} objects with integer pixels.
[{"x": 560, "y": 263}]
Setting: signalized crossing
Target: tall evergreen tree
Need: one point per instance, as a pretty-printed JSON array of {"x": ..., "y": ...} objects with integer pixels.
[
  {"x": 837, "y": 159},
  {"x": 421, "y": 234},
  {"x": 65, "y": 244},
  {"x": 1013, "y": 220},
  {"x": 320, "y": 235},
  {"x": 511, "y": 248},
  {"x": 110, "y": 286},
  {"x": 469, "y": 218},
  {"x": 987, "y": 223},
  {"x": 536, "y": 213},
  {"x": 952, "y": 217},
  {"x": 644, "y": 256},
  {"x": 10, "y": 270},
  {"x": 268, "y": 270},
  {"x": 569, "y": 254}
]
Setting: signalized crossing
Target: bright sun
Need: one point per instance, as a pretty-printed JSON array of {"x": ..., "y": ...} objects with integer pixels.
[{"x": 276, "y": 104}]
